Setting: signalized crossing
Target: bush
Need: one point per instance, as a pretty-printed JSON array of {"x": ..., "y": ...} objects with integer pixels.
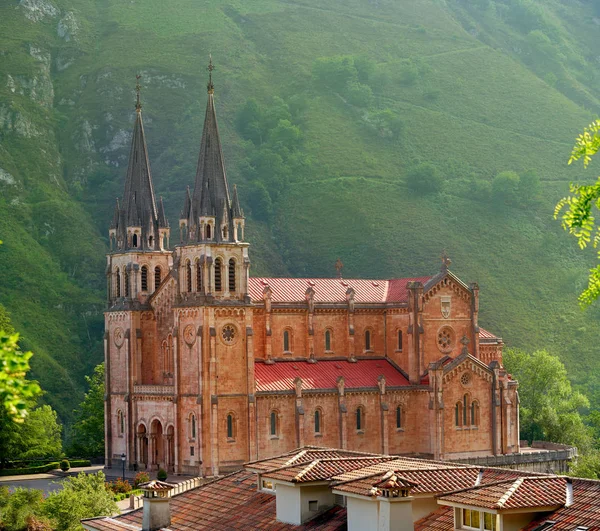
[
  {"x": 424, "y": 179},
  {"x": 505, "y": 187},
  {"x": 120, "y": 486},
  {"x": 162, "y": 474},
  {"x": 29, "y": 470},
  {"x": 80, "y": 462},
  {"x": 65, "y": 465},
  {"x": 140, "y": 477}
]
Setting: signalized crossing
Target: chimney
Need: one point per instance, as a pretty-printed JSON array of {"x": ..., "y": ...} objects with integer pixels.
[
  {"x": 157, "y": 506},
  {"x": 395, "y": 503}
]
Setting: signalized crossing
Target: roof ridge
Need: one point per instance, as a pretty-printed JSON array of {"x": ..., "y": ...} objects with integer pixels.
[
  {"x": 481, "y": 486},
  {"x": 306, "y": 470},
  {"x": 512, "y": 489},
  {"x": 294, "y": 458}
]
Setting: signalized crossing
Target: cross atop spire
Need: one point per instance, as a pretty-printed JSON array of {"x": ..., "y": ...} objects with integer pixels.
[
  {"x": 446, "y": 262},
  {"x": 138, "y": 105},
  {"x": 338, "y": 267},
  {"x": 210, "y": 86},
  {"x": 465, "y": 343}
]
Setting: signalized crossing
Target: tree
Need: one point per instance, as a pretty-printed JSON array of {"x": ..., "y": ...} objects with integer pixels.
[
  {"x": 15, "y": 389},
  {"x": 579, "y": 218},
  {"x": 335, "y": 72},
  {"x": 18, "y": 508},
  {"x": 88, "y": 430},
  {"x": 529, "y": 186},
  {"x": 84, "y": 496},
  {"x": 505, "y": 187},
  {"x": 549, "y": 405},
  {"x": 424, "y": 179},
  {"x": 260, "y": 201}
]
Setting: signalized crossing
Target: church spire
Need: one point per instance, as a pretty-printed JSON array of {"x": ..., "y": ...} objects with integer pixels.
[
  {"x": 210, "y": 198},
  {"x": 138, "y": 220}
]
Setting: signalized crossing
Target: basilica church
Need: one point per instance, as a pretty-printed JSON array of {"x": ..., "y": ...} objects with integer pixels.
[{"x": 208, "y": 367}]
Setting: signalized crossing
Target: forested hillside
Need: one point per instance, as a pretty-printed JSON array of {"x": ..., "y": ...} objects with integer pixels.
[{"x": 330, "y": 111}]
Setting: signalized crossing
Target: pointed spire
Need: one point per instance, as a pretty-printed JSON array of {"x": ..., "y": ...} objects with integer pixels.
[
  {"x": 210, "y": 187},
  {"x": 138, "y": 208},
  {"x": 210, "y": 87},
  {"x": 162, "y": 218},
  {"x": 236, "y": 211},
  {"x": 186, "y": 213},
  {"x": 115, "y": 221}
]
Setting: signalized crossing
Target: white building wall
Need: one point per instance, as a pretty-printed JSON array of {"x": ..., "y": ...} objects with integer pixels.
[{"x": 362, "y": 514}]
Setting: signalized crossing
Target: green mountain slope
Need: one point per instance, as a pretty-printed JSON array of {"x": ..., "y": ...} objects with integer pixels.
[{"x": 475, "y": 88}]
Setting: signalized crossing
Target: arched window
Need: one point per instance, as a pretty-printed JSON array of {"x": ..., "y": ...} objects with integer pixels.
[
  {"x": 458, "y": 413},
  {"x": 273, "y": 424},
  {"x": 225, "y": 232},
  {"x": 188, "y": 276},
  {"x": 118, "y": 286},
  {"x": 193, "y": 426},
  {"x": 287, "y": 344},
  {"x": 360, "y": 419},
  {"x": 474, "y": 413},
  {"x": 126, "y": 275},
  {"x": 144, "y": 278},
  {"x": 120, "y": 422},
  {"x": 400, "y": 340},
  {"x": 230, "y": 426},
  {"x": 231, "y": 274},
  {"x": 208, "y": 232},
  {"x": 198, "y": 276},
  {"x": 328, "y": 340},
  {"x": 367, "y": 340},
  {"x": 170, "y": 364},
  {"x": 157, "y": 277},
  {"x": 218, "y": 280},
  {"x": 399, "y": 418},
  {"x": 150, "y": 241},
  {"x": 465, "y": 410},
  {"x": 318, "y": 421},
  {"x": 135, "y": 240}
]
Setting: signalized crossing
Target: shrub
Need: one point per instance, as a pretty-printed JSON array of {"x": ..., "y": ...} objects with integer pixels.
[
  {"x": 162, "y": 474},
  {"x": 65, "y": 465},
  {"x": 80, "y": 462},
  {"x": 119, "y": 486},
  {"x": 505, "y": 187},
  {"x": 140, "y": 477},
  {"x": 424, "y": 179},
  {"x": 29, "y": 470}
]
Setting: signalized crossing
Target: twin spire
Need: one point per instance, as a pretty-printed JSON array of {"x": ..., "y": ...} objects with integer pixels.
[{"x": 210, "y": 201}]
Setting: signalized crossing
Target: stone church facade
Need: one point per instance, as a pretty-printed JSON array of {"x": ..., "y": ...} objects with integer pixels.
[{"x": 207, "y": 367}]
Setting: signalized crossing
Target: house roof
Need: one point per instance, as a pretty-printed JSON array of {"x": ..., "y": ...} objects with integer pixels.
[
  {"x": 441, "y": 519},
  {"x": 306, "y": 454},
  {"x": 522, "y": 493},
  {"x": 487, "y": 337},
  {"x": 332, "y": 290},
  {"x": 322, "y": 469},
  {"x": 584, "y": 511},
  {"x": 226, "y": 504},
  {"x": 324, "y": 374}
]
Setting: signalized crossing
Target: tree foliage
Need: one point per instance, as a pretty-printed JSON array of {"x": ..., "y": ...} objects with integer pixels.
[
  {"x": 550, "y": 408},
  {"x": 579, "y": 218},
  {"x": 88, "y": 430},
  {"x": 424, "y": 179}
]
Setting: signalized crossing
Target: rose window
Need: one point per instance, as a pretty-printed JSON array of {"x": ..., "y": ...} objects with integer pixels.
[
  {"x": 228, "y": 334},
  {"x": 465, "y": 379},
  {"x": 445, "y": 339}
]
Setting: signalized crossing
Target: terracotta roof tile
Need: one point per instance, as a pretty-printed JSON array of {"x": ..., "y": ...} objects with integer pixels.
[
  {"x": 226, "y": 504},
  {"x": 486, "y": 336},
  {"x": 440, "y": 520},
  {"x": 280, "y": 375},
  {"x": 524, "y": 492},
  {"x": 323, "y": 469},
  {"x": 584, "y": 511},
  {"x": 333, "y": 290}
]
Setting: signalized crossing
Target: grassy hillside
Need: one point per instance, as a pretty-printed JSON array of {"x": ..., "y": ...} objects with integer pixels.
[{"x": 476, "y": 88}]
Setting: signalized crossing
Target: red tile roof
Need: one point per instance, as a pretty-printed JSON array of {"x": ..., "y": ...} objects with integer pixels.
[
  {"x": 306, "y": 454},
  {"x": 226, "y": 504},
  {"x": 523, "y": 493},
  {"x": 440, "y": 520},
  {"x": 484, "y": 335},
  {"x": 280, "y": 375},
  {"x": 322, "y": 469},
  {"x": 333, "y": 290},
  {"x": 584, "y": 511}
]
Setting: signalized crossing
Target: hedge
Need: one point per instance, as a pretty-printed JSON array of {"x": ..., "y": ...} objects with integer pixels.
[
  {"x": 125, "y": 495},
  {"x": 30, "y": 470},
  {"x": 80, "y": 462}
]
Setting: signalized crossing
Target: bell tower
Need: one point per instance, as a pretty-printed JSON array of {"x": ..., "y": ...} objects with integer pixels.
[
  {"x": 212, "y": 257},
  {"x": 137, "y": 263}
]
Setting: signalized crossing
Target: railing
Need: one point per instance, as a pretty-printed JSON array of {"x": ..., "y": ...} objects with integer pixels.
[
  {"x": 164, "y": 390},
  {"x": 135, "y": 502}
]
